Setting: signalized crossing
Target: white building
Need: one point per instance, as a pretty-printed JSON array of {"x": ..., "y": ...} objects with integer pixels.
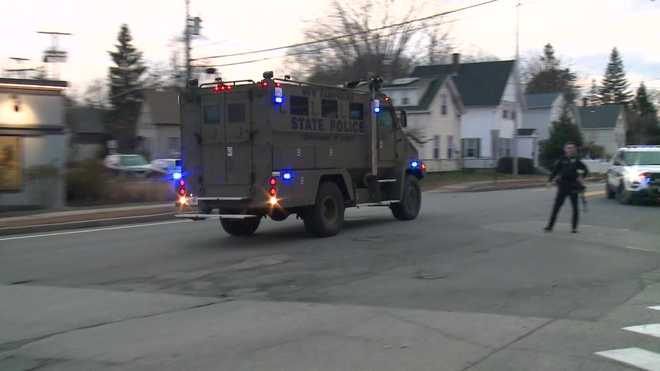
[
  {"x": 492, "y": 107},
  {"x": 434, "y": 109},
  {"x": 604, "y": 126},
  {"x": 33, "y": 144},
  {"x": 159, "y": 124}
]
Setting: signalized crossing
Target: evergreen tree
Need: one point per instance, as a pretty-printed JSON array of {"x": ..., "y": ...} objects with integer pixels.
[
  {"x": 642, "y": 120},
  {"x": 551, "y": 78},
  {"x": 614, "y": 88},
  {"x": 125, "y": 89},
  {"x": 593, "y": 98},
  {"x": 561, "y": 132},
  {"x": 642, "y": 103}
]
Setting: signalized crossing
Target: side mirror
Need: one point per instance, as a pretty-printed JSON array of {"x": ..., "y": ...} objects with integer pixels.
[{"x": 403, "y": 116}]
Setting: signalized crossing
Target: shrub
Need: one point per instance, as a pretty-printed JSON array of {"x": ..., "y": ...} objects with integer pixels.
[
  {"x": 525, "y": 165},
  {"x": 86, "y": 182}
]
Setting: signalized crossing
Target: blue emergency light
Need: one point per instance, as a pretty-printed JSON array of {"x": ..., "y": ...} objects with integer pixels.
[
  {"x": 287, "y": 175},
  {"x": 414, "y": 164},
  {"x": 176, "y": 176},
  {"x": 376, "y": 106},
  {"x": 278, "y": 96}
]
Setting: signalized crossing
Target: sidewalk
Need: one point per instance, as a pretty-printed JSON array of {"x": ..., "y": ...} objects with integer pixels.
[
  {"x": 85, "y": 217},
  {"x": 498, "y": 185}
]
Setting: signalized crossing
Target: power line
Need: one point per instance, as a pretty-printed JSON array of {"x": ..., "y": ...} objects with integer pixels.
[
  {"x": 334, "y": 38},
  {"x": 313, "y": 51}
]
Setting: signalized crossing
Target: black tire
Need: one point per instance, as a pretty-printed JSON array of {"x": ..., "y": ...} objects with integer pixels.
[
  {"x": 240, "y": 227},
  {"x": 608, "y": 191},
  {"x": 624, "y": 197},
  {"x": 326, "y": 217},
  {"x": 411, "y": 201}
]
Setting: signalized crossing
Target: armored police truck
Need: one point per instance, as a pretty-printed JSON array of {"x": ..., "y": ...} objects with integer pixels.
[{"x": 277, "y": 147}]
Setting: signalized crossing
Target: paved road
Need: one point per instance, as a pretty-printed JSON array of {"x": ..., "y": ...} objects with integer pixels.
[{"x": 472, "y": 284}]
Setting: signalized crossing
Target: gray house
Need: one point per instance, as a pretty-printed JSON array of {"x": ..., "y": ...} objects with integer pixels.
[
  {"x": 604, "y": 125},
  {"x": 542, "y": 110},
  {"x": 159, "y": 124},
  {"x": 88, "y": 133}
]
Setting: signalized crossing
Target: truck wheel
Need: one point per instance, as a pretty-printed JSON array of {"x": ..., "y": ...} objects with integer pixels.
[
  {"x": 240, "y": 227},
  {"x": 624, "y": 197},
  {"x": 608, "y": 191},
  {"x": 411, "y": 202},
  {"x": 326, "y": 217}
]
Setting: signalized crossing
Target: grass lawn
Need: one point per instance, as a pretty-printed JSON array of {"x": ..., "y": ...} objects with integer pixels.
[{"x": 433, "y": 180}]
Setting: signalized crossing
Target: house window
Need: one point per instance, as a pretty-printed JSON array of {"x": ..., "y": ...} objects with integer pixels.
[
  {"x": 436, "y": 147},
  {"x": 235, "y": 112},
  {"x": 513, "y": 115},
  {"x": 443, "y": 107},
  {"x": 450, "y": 147},
  {"x": 329, "y": 108},
  {"x": 471, "y": 147},
  {"x": 299, "y": 106},
  {"x": 357, "y": 111},
  {"x": 405, "y": 101},
  {"x": 505, "y": 114}
]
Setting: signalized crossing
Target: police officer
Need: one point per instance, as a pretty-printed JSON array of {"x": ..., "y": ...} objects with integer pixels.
[{"x": 566, "y": 174}]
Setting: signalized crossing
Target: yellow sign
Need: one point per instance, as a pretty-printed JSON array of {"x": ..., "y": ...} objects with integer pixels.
[{"x": 11, "y": 164}]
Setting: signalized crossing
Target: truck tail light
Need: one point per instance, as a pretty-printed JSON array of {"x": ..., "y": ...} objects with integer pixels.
[{"x": 272, "y": 191}]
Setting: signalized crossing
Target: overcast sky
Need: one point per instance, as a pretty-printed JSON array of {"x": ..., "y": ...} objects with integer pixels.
[{"x": 583, "y": 32}]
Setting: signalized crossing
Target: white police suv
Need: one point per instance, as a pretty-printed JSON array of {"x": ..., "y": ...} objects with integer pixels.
[{"x": 634, "y": 172}]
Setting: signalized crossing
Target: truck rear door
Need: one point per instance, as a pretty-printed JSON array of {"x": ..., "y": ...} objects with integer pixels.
[
  {"x": 238, "y": 148},
  {"x": 226, "y": 146}
]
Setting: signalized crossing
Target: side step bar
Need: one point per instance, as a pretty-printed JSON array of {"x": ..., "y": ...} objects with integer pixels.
[
  {"x": 214, "y": 216},
  {"x": 381, "y": 203}
]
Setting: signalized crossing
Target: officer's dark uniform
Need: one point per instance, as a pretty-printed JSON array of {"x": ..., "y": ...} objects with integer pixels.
[{"x": 566, "y": 172}]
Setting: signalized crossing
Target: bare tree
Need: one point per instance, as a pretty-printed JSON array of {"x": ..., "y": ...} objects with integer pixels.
[
  {"x": 389, "y": 53},
  {"x": 96, "y": 94}
]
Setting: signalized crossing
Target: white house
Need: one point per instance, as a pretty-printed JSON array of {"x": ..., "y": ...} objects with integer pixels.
[
  {"x": 492, "y": 107},
  {"x": 159, "y": 124},
  {"x": 434, "y": 109},
  {"x": 33, "y": 143},
  {"x": 604, "y": 125}
]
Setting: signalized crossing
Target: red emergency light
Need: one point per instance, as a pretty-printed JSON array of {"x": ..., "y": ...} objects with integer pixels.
[{"x": 222, "y": 88}]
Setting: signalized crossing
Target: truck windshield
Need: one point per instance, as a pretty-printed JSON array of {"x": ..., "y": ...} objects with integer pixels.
[
  {"x": 132, "y": 160},
  {"x": 642, "y": 158}
]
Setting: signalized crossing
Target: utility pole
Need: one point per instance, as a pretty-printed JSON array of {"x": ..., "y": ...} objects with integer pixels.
[
  {"x": 518, "y": 92},
  {"x": 186, "y": 37},
  {"x": 193, "y": 27},
  {"x": 54, "y": 54}
]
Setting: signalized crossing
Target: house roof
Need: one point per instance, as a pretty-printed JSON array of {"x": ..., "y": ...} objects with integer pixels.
[
  {"x": 87, "y": 120},
  {"x": 541, "y": 100},
  {"x": 163, "y": 105},
  {"x": 599, "y": 117},
  {"x": 430, "y": 87},
  {"x": 480, "y": 84},
  {"x": 34, "y": 82}
]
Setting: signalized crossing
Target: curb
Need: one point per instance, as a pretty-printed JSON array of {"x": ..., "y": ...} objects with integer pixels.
[{"x": 103, "y": 222}]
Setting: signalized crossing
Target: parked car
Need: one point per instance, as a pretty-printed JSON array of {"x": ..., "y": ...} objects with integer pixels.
[
  {"x": 634, "y": 172},
  {"x": 128, "y": 164},
  {"x": 165, "y": 166}
]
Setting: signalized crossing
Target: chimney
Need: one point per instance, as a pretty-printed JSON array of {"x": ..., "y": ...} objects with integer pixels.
[
  {"x": 455, "y": 62},
  {"x": 585, "y": 101}
]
